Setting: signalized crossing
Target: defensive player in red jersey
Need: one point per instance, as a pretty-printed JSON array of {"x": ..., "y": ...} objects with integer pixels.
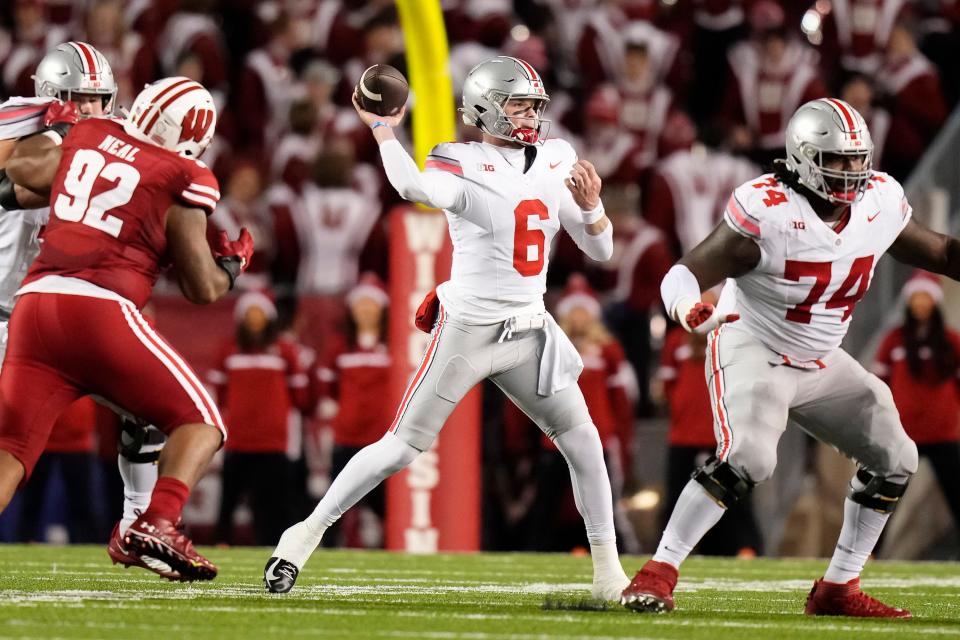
[{"x": 128, "y": 198}]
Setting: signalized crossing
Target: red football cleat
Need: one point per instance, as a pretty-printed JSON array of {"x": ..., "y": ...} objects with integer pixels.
[
  {"x": 153, "y": 539},
  {"x": 651, "y": 589},
  {"x": 121, "y": 555},
  {"x": 835, "y": 599}
]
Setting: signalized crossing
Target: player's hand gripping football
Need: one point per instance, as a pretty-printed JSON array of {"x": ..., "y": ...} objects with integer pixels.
[
  {"x": 701, "y": 317},
  {"x": 369, "y": 118},
  {"x": 584, "y": 183},
  {"x": 233, "y": 256}
]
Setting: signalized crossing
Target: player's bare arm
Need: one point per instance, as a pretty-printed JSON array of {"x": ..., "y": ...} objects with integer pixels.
[
  {"x": 202, "y": 278},
  {"x": 924, "y": 248},
  {"x": 723, "y": 254},
  {"x": 33, "y": 164}
]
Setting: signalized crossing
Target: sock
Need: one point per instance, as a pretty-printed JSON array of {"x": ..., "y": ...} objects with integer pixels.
[
  {"x": 606, "y": 562},
  {"x": 372, "y": 465},
  {"x": 139, "y": 479},
  {"x": 858, "y": 536},
  {"x": 694, "y": 514},
  {"x": 169, "y": 496}
]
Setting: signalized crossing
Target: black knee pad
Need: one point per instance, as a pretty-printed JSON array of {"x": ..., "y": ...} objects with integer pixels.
[
  {"x": 722, "y": 482},
  {"x": 139, "y": 442},
  {"x": 878, "y": 493}
]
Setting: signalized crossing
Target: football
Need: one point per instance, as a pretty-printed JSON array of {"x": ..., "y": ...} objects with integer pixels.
[{"x": 382, "y": 90}]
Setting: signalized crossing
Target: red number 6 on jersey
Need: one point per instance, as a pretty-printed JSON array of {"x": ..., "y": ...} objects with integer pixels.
[{"x": 527, "y": 241}]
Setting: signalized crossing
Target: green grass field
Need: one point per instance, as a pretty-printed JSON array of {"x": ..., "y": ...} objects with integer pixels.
[{"x": 74, "y": 592}]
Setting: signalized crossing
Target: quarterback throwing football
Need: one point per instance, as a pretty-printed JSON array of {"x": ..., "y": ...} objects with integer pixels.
[
  {"x": 505, "y": 199},
  {"x": 802, "y": 244}
]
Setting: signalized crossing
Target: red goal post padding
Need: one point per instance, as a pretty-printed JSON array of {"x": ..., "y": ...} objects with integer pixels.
[{"x": 434, "y": 504}]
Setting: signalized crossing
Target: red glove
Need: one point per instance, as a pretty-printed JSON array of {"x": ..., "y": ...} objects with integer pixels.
[
  {"x": 701, "y": 317},
  {"x": 61, "y": 113},
  {"x": 233, "y": 256},
  {"x": 427, "y": 313}
]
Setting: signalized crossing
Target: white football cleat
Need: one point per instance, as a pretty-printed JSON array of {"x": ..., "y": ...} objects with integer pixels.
[{"x": 292, "y": 552}]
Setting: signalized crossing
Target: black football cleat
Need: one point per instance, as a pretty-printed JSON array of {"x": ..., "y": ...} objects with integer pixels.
[{"x": 279, "y": 575}]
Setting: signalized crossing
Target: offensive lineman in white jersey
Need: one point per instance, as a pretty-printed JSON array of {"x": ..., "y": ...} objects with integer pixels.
[
  {"x": 802, "y": 244},
  {"x": 505, "y": 201},
  {"x": 73, "y": 80}
]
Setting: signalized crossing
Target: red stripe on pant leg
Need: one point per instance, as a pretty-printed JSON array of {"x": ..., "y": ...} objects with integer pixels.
[
  {"x": 181, "y": 367},
  {"x": 718, "y": 391},
  {"x": 427, "y": 359}
]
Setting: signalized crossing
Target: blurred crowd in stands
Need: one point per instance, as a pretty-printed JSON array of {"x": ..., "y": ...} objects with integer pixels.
[{"x": 676, "y": 102}]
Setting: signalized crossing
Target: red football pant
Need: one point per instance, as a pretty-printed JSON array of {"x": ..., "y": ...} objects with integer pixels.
[{"x": 62, "y": 347}]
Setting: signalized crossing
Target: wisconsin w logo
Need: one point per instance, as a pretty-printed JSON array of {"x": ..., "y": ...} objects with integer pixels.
[{"x": 196, "y": 122}]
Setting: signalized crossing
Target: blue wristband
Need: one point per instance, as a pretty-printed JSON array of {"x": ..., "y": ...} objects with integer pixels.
[{"x": 379, "y": 123}]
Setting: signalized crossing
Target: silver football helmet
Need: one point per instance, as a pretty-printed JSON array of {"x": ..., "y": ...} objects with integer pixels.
[
  {"x": 489, "y": 86},
  {"x": 823, "y": 128},
  {"x": 75, "y": 67}
]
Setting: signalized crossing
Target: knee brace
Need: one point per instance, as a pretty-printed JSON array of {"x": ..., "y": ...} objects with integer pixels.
[
  {"x": 877, "y": 493},
  {"x": 139, "y": 442},
  {"x": 722, "y": 482}
]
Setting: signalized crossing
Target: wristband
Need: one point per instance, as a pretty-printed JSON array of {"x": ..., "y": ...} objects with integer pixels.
[
  {"x": 594, "y": 215},
  {"x": 232, "y": 265},
  {"x": 8, "y": 194},
  {"x": 379, "y": 123}
]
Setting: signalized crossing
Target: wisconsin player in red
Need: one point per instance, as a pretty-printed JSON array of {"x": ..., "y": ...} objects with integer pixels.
[{"x": 128, "y": 199}]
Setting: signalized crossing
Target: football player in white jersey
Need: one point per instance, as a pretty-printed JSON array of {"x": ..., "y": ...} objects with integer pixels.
[
  {"x": 505, "y": 199},
  {"x": 73, "y": 80},
  {"x": 802, "y": 244}
]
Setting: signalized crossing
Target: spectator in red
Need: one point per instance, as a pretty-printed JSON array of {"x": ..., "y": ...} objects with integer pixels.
[
  {"x": 258, "y": 382},
  {"x": 911, "y": 92},
  {"x": 33, "y": 36},
  {"x": 856, "y": 33},
  {"x": 609, "y": 387},
  {"x": 131, "y": 57},
  {"x": 692, "y": 441},
  {"x": 71, "y": 450},
  {"x": 348, "y": 382},
  {"x": 858, "y": 91},
  {"x": 619, "y": 155},
  {"x": 262, "y": 99},
  {"x": 194, "y": 32},
  {"x": 920, "y": 360},
  {"x": 688, "y": 190},
  {"x": 773, "y": 74}
]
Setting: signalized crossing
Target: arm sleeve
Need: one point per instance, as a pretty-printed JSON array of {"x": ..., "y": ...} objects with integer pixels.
[
  {"x": 600, "y": 246},
  {"x": 443, "y": 188}
]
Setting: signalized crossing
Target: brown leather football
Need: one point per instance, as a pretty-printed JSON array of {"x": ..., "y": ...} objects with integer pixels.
[{"x": 382, "y": 90}]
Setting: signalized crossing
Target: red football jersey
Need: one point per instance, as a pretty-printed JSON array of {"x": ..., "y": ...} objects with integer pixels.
[{"x": 108, "y": 207}]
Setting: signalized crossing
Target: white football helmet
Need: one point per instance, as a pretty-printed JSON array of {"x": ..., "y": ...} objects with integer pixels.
[
  {"x": 75, "y": 67},
  {"x": 175, "y": 113},
  {"x": 489, "y": 86},
  {"x": 829, "y": 127}
]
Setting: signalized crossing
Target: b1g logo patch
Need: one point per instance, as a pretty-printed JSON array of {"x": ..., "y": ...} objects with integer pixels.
[{"x": 483, "y": 166}]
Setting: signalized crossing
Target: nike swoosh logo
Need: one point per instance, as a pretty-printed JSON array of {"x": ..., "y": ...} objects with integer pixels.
[
  {"x": 554, "y": 165},
  {"x": 270, "y": 574},
  {"x": 873, "y": 217}
]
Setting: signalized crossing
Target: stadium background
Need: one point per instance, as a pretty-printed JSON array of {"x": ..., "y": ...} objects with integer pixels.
[{"x": 676, "y": 103}]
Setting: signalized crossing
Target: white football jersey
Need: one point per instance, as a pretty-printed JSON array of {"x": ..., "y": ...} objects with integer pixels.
[
  {"x": 19, "y": 230},
  {"x": 503, "y": 226},
  {"x": 799, "y": 299}
]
